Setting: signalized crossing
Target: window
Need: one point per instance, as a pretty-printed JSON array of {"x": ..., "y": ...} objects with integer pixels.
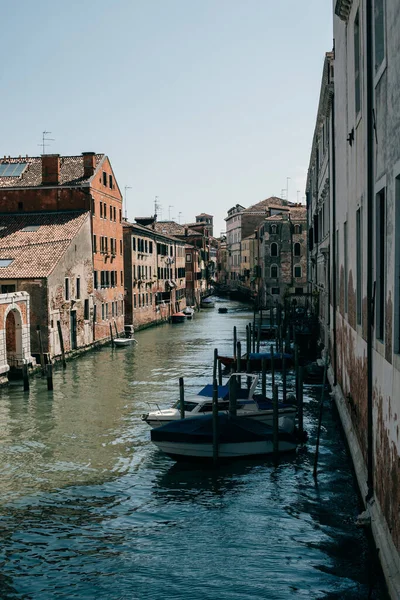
[
  {"x": 93, "y": 207},
  {"x": 357, "y": 75},
  {"x": 359, "y": 259},
  {"x": 273, "y": 229},
  {"x": 104, "y": 178},
  {"x": 105, "y": 210},
  {"x": 66, "y": 288},
  {"x": 86, "y": 310},
  {"x": 5, "y": 262},
  {"x": 297, "y": 229},
  {"x": 101, "y": 210},
  {"x": 110, "y": 180},
  {"x": 275, "y": 291},
  {"x": 134, "y": 300},
  {"x": 150, "y": 247},
  {"x": 379, "y": 32},
  {"x": 94, "y": 243},
  {"x": 297, "y": 271},
  {"x": 274, "y": 249},
  {"x": 115, "y": 214},
  {"x": 122, "y": 278},
  {"x": 298, "y": 290},
  {"x": 274, "y": 271},
  {"x": 78, "y": 288},
  {"x": 297, "y": 249},
  {"x": 188, "y": 258},
  {"x": 120, "y": 215},
  {"x": 102, "y": 311},
  {"x": 133, "y": 243},
  {"x": 380, "y": 244},
  {"x": 120, "y": 246},
  {"x": 8, "y": 288},
  {"x": 111, "y": 213},
  {"x": 95, "y": 280},
  {"x": 346, "y": 267}
]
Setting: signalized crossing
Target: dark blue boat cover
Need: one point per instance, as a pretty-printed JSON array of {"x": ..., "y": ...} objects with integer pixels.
[
  {"x": 199, "y": 430},
  {"x": 207, "y": 391},
  {"x": 267, "y": 355}
]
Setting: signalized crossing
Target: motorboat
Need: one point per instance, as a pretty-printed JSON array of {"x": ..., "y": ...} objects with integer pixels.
[
  {"x": 222, "y": 310},
  {"x": 248, "y": 404},
  {"x": 207, "y": 302},
  {"x": 124, "y": 341},
  {"x": 188, "y": 312},
  {"x": 254, "y": 360},
  {"x": 237, "y": 437},
  {"x": 178, "y": 317}
]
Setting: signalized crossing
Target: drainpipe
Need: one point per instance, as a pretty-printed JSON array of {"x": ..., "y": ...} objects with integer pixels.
[
  {"x": 333, "y": 245},
  {"x": 370, "y": 206}
]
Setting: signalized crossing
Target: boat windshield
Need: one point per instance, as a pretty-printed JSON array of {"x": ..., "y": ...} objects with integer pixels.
[{"x": 189, "y": 406}]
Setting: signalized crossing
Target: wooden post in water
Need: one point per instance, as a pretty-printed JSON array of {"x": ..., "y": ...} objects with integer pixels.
[
  {"x": 275, "y": 420},
  {"x": 232, "y": 397},
  {"x": 49, "y": 376},
  {"x": 239, "y": 363},
  {"x": 321, "y": 405},
  {"x": 116, "y": 330},
  {"x": 215, "y": 421},
  {"x": 258, "y": 337},
  {"x": 254, "y": 330},
  {"x": 234, "y": 343},
  {"x": 60, "y": 335},
  {"x": 247, "y": 340},
  {"x": 264, "y": 377},
  {"x": 300, "y": 402},
  {"x": 25, "y": 377},
  {"x": 111, "y": 336},
  {"x": 272, "y": 366},
  {"x": 39, "y": 334},
  {"x": 219, "y": 373},
  {"x": 181, "y": 398},
  {"x": 296, "y": 368},
  {"x": 215, "y": 363},
  {"x": 283, "y": 378}
]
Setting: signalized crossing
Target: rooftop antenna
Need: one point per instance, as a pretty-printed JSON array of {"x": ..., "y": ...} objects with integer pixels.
[
  {"x": 287, "y": 188},
  {"x": 44, "y": 140},
  {"x": 127, "y": 187},
  {"x": 179, "y": 217},
  {"x": 157, "y": 207},
  {"x": 298, "y": 192},
  {"x": 169, "y": 211}
]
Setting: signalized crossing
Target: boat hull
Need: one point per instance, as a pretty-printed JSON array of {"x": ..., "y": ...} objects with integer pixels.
[{"x": 181, "y": 451}]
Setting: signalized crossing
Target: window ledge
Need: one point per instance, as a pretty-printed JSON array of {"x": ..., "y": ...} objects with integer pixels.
[{"x": 380, "y": 72}]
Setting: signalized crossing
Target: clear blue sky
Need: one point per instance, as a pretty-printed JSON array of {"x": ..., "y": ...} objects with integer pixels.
[{"x": 203, "y": 103}]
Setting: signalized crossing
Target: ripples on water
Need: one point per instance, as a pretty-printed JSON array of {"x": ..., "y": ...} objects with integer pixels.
[{"x": 90, "y": 509}]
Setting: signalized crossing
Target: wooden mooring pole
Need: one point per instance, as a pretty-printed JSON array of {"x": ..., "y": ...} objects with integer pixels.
[
  {"x": 181, "y": 398},
  {"x": 321, "y": 405},
  {"x": 215, "y": 421},
  {"x": 39, "y": 334},
  {"x": 283, "y": 377},
  {"x": 219, "y": 373},
  {"x": 116, "y": 330},
  {"x": 300, "y": 403},
  {"x": 239, "y": 360},
  {"x": 272, "y": 366},
  {"x": 215, "y": 362},
  {"x": 111, "y": 336},
  {"x": 25, "y": 377},
  {"x": 232, "y": 397},
  {"x": 234, "y": 343},
  {"x": 264, "y": 378},
  {"x": 49, "y": 376},
  {"x": 275, "y": 420},
  {"x": 60, "y": 335}
]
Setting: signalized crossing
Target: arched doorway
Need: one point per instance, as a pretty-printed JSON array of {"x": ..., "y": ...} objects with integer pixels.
[{"x": 14, "y": 339}]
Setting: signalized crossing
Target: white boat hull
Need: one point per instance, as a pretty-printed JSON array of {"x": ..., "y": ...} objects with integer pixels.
[
  {"x": 228, "y": 450},
  {"x": 124, "y": 341}
]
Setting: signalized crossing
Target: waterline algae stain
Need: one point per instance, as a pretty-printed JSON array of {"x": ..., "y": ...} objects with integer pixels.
[{"x": 91, "y": 509}]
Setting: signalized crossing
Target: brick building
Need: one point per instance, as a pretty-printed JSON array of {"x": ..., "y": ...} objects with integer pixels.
[
  {"x": 76, "y": 183},
  {"x": 15, "y": 349},
  {"x": 155, "y": 285}
]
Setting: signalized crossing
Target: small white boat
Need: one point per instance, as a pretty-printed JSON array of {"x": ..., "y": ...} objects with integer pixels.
[
  {"x": 207, "y": 303},
  {"x": 248, "y": 404},
  {"x": 238, "y": 437},
  {"x": 124, "y": 341},
  {"x": 188, "y": 312}
]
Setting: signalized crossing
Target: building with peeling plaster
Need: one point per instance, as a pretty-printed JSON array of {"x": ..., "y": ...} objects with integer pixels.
[{"x": 360, "y": 172}]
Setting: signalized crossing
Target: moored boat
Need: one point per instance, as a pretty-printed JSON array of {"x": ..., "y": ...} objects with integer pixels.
[
  {"x": 207, "y": 302},
  {"x": 237, "y": 437},
  {"x": 178, "y": 317},
  {"x": 124, "y": 341},
  {"x": 188, "y": 312},
  {"x": 222, "y": 309}
]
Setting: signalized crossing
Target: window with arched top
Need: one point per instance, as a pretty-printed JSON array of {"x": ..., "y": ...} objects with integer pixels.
[
  {"x": 297, "y": 228},
  {"x": 274, "y": 271},
  {"x": 297, "y": 249},
  {"x": 274, "y": 249},
  {"x": 273, "y": 228}
]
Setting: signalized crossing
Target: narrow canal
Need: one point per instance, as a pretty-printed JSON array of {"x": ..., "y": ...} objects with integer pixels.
[{"x": 91, "y": 509}]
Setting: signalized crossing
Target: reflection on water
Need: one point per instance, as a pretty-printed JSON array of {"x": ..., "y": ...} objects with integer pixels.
[{"x": 91, "y": 509}]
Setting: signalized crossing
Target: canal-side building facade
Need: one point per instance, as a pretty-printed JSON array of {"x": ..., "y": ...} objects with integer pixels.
[
  {"x": 15, "y": 334},
  {"x": 364, "y": 250},
  {"x": 69, "y": 183},
  {"x": 283, "y": 253},
  {"x": 249, "y": 279},
  {"x": 319, "y": 194},
  {"x": 48, "y": 255},
  {"x": 155, "y": 283}
]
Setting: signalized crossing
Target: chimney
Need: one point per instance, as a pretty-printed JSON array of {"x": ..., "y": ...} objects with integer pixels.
[
  {"x": 50, "y": 169},
  {"x": 89, "y": 164}
]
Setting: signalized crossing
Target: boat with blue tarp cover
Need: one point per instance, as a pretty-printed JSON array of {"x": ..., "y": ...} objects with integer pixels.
[
  {"x": 249, "y": 404},
  {"x": 237, "y": 437}
]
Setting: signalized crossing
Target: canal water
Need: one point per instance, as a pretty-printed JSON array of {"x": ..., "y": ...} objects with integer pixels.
[{"x": 89, "y": 508}]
